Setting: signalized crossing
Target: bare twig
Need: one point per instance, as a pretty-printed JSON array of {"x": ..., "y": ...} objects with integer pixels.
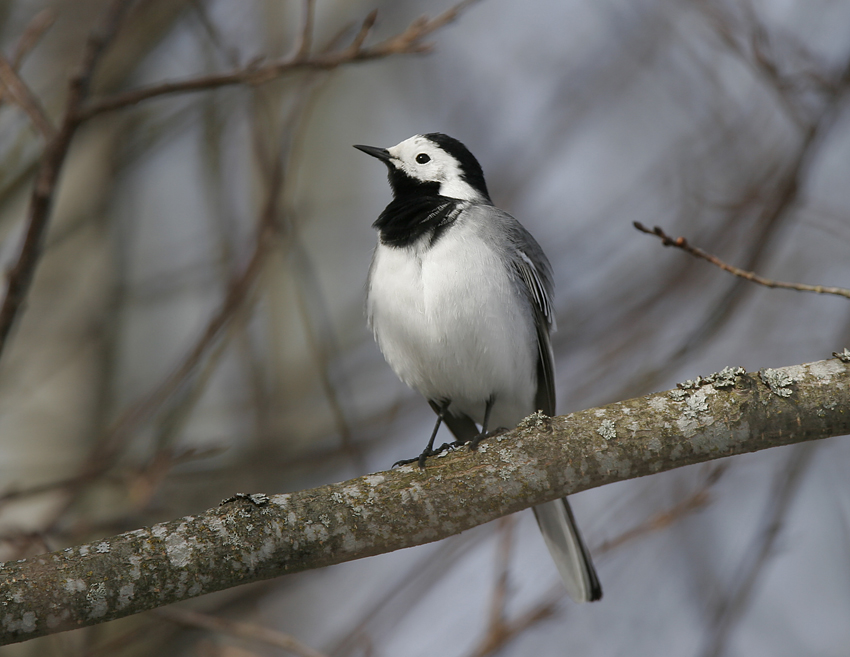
[
  {"x": 20, "y": 276},
  {"x": 237, "y": 294},
  {"x": 407, "y": 42},
  {"x": 305, "y": 37},
  {"x": 163, "y": 460},
  {"x": 218, "y": 322},
  {"x": 406, "y": 590},
  {"x": 500, "y": 630},
  {"x": 47, "y": 176},
  {"x": 103, "y": 453},
  {"x": 402, "y": 42},
  {"x": 731, "y": 610},
  {"x": 365, "y": 27},
  {"x": 230, "y": 54},
  {"x": 777, "y": 197},
  {"x": 759, "y": 57},
  {"x": 508, "y": 630},
  {"x": 546, "y": 607},
  {"x": 682, "y": 243},
  {"x": 33, "y": 32},
  {"x": 23, "y": 97},
  {"x": 693, "y": 502},
  {"x": 313, "y": 298},
  {"x": 36, "y": 28},
  {"x": 240, "y": 629}
]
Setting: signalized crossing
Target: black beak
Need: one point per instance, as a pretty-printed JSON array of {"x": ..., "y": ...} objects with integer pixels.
[{"x": 381, "y": 153}]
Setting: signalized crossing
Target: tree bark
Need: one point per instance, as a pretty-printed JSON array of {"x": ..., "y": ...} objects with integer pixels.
[{"x": 251, "y": 538}]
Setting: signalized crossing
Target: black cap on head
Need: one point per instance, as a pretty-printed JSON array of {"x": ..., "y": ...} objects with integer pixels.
[{"x": 471, "y": 170}]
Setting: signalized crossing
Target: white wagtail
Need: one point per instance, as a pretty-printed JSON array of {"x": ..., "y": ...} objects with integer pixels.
[{"x": 460, "y": 301}]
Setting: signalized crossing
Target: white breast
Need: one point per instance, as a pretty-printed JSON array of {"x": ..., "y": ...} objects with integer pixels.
[{"x": 451, "y": 325}]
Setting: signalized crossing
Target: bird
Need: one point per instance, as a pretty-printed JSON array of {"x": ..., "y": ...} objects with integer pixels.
[{"x": 460, "y": 302}]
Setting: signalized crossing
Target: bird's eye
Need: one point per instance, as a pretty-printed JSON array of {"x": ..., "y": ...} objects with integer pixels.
[{"x": 422, "y": 158}]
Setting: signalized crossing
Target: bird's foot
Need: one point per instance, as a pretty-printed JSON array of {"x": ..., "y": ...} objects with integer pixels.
[
  {"x": 439, "y": 451},
  {"x": 450, "y": 447},
  {"x": 445, "y": 447},
  {"x": 421, "y": 457},
  {"x": 484, "y": 435}
]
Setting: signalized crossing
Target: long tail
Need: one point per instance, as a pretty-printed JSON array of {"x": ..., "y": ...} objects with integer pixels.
[
  {"x": 568, "y": 550},
  {"x": 558, "y": 527}
]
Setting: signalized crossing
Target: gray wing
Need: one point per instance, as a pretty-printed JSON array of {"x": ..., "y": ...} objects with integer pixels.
[
  {"x": 555, "y": 518},
  {"x": 535, "y": 274}
]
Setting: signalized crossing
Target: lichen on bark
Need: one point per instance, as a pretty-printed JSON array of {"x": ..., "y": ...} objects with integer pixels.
[{"x": 253, "y": 537}]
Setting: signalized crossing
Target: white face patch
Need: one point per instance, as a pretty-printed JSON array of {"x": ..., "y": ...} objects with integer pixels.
[{"x": 422, "y": 159}]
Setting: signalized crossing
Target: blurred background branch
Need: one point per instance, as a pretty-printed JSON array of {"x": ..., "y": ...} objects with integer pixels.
[
  {"x": 58, "y": 142},
  {"x": 257, "y": 72}
]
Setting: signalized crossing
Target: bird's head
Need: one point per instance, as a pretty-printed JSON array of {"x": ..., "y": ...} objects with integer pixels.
[{"x": 432, "y": 164}]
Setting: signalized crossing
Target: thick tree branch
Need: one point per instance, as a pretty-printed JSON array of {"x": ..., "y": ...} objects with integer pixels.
[{"x": 250, "y": 539}]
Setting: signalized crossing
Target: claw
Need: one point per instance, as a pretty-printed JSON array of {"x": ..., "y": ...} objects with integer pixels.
[
  {"x": 404, "y": 462},
  {"x": 428, "y": 452},
  {"x": 484, "y": 435}
]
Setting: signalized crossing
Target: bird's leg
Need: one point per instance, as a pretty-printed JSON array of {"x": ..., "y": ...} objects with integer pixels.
[
  {"x": 487, "y": 410},
  {"x": 473, "y": 444},
  {"x": 429, "y": 450}
]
